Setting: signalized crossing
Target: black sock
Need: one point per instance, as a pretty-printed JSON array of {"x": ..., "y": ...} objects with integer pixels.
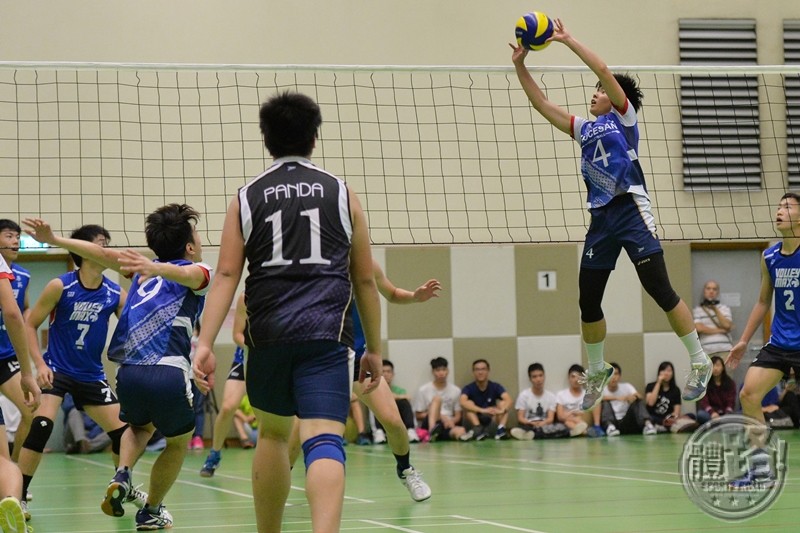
[
  {"x": 26, "y": 482},
  {"x": 403, "y": 463}
]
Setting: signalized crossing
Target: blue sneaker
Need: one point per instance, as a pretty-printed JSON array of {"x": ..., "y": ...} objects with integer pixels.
[
  {"x": 595, "y": 432},
  {"x": 750, "y": 481},
  {"x": 594, "y": 383},
  {"x": 148, "y": 520},
  {"x": 501, "y": 433},
  {"x": 363, "y": 440},
  {"x": 697, "y": 381},
  {"x": 211, "y": 464},
  {"x": 117, "y": 493}
]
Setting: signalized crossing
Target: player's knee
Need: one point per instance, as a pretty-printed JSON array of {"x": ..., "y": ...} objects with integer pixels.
[
  {"x": 116, "y": 438},
  {"x": 325, "y": 446},
  {"x": 654, "y": 278},
  {"x": 41, "y": 429}
]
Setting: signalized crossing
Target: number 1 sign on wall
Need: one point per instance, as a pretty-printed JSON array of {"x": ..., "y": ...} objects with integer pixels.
[{"x": 547, "y": 280}]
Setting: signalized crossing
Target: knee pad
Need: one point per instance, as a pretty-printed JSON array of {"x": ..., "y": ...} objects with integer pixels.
[
  {"x": 116, "y": 437},
  {"x": 40, "y": 431},
  {"x": 325, "y": 446},
  {"x": 591, "y": 286},
  {"x": 652, "y": 271}
]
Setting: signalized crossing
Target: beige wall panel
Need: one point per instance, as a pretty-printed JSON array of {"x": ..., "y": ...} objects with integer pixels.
[
  {"x": 412, "y": 359},
  {"x": 483, "y": 291},
  {"x": 556, "y": 353},
  {"x": 628, "y": 352},
  {"x": 546, "y": 312},
  {"x": 409, "y": 268},
  {"x": 501, "y": 354},
  {"x": 678, "y": 257}
]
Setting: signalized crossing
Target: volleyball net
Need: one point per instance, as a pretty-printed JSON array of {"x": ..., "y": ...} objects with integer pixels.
[{"x": 438, "y": 155}]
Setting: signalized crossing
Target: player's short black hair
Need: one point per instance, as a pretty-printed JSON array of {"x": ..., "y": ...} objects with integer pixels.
[
  {"x": 476, "y": 361},
  {"x": 619, "y": 368},
  {"x": 534, "y": 367},
  {"x": 388, "y": 363},
  {"x": 438, "y": 362},
  {"x": 169, "y": 229},
  {"x": 87, "y": 232},
  {"x": 6, "y": 223},
  {"x": 576, "y": 368},
  {"x": 792, "y": 195},
  {"x": 289, "y": 123},
  {"x": 631, "y": 88}
]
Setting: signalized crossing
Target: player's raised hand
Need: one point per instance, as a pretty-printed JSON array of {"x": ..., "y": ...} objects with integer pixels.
[
  {"x": 39, "y": 230},
  {"x": 132, "y": 262},
  {"x": 427, "y": 290},
  {"x": 736, "y": 354},
  {"x": 518, "y": 55},
  {"x": 560, "y": 33}
]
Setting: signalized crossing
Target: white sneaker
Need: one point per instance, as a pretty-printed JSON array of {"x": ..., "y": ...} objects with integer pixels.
[
  {"x": 379, "y": 436},
  {"x": 412, "y": 435},
  {"x": 522, "y": 434},
  {"x": 467, "y": 436},
  {"x": 136, "y": 497},
  {"x": 649, "y": 428},
  {"x": 612, "y": 431},
  {"x": 579, "y": 429},
  {"x": 419, "y": 490}
]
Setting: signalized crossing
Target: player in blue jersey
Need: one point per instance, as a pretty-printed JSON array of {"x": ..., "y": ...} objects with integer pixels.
[
  {"x": 9, "y": 364},
  {"x": 151, "y": 344},
  {"x": 620, "y": 209},
  {"x": 79, "y": 305},
  {"x": 232, "y": 392},
  {"x": 307, "y": 244},
  {"x": 780, "y": 279},
  {"x": 11, "y": 513}
]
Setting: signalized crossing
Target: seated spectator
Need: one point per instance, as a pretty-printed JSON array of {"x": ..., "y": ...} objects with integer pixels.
[
  {"x": 403, "y": 401},
  {"x": 244, "y": 420},
  {"x": 720, "y": 398},
  {"x": 774, "y": 416},
  {"x": 485, "y": 404},
  {"x": 536, "y": 410},
  {"x": 788, "y": 399},
  {"x": 568, "y": 404},
  {"x": 81, "y": 433},
  {"x": 623, "y": 410},
  {"x": 437, "y": 405},
  {"x": 663, "y": 397}
]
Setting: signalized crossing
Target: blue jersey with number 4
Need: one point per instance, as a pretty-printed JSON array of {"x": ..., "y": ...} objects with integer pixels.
[
  {"x": 784, "y": 271},
  {"x": 20, "y": 286},
  {"x": 157, "y": 321},
  {"x": 79, "y": 328},
  {"x": 609, "y": 155}
]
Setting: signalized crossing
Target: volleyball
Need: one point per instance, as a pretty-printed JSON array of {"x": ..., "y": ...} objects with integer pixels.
[{"x": 533, "y": 30}]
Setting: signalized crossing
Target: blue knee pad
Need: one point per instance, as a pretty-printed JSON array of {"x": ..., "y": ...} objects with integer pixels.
[
  {"x": 325, "y": 446},
  {"x": 40, "y": 431}
]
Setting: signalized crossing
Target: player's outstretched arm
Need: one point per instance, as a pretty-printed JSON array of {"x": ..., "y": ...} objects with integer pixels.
[
  {"x": 555, "y": 114},
  {"x": 366, "y": 292},
  {"x": 396, "y": 295},
  {"x": 607, "y": 80},
  {"x": 42, "y": 232},
  {"x": 220, "y": 296},
  {"x": 760, "y": 309},
  {"x": 15, "y": 327},
  {"x": 47, "y": 301},
  {"x": 132, "y": 262}
]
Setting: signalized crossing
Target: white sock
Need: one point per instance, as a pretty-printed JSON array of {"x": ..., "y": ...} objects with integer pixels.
[
  {"x": 692, "y": 343},
  {"x": 595, "y": 355}
]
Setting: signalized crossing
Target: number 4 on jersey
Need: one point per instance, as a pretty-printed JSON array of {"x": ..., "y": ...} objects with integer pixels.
[{"x": 600, "y": 153}]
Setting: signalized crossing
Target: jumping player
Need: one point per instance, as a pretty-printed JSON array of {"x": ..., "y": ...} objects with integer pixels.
[
  {"x": 621, "y": 214},
  {"x": 79, "y": 305}
]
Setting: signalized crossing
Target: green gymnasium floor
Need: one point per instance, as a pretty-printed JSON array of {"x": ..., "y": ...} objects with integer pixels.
[{"x": 624, "y": 484}]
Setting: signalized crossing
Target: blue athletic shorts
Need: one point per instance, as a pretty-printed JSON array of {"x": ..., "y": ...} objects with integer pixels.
[
  {"x": 159, "y": 394},
  {"x": 307, "y": 379},
  {"x": 625, "y": 222}
]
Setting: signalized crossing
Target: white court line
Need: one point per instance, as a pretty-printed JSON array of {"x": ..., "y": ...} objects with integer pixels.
[
  {"x": 217, "y": 489},
  {"x": 389, "y": 526},
  {"x": 569, "y": 472},
  {"x": 497, "y": 524}
]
